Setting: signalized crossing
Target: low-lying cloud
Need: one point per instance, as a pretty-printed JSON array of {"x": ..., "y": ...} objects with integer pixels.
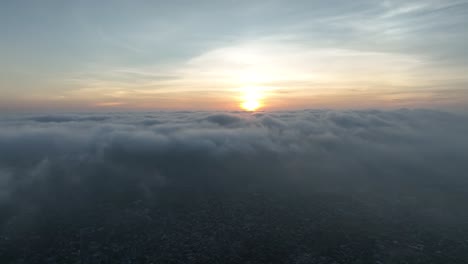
[{"x": 312, "y": 186}]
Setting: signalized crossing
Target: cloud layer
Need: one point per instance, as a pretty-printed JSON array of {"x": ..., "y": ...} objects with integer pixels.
[{"x": 312, "y": 186}]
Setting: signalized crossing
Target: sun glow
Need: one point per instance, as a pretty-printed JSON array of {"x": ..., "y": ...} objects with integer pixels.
[
  {"x": 251, "y": 99},
  {"x": 250, "y": 105}
]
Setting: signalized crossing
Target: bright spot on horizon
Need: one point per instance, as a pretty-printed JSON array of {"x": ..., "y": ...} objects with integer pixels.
[
  {"x": 250, "y": 105},
  {"x": 251, "y": 99}
]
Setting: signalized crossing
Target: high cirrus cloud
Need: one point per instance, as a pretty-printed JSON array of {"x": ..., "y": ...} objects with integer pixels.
[{"x": 198, "y": 183}]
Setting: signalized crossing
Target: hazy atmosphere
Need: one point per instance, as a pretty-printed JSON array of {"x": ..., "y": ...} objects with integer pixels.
[{"x": 257, "y": 132}]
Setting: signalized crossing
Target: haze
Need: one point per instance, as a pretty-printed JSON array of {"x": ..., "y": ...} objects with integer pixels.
[{"x": 232, "y": 132}]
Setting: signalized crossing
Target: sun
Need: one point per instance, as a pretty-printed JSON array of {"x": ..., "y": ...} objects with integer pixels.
[
  {"x": 250, "y": 105},
  {"x": 251, "y": 99}
]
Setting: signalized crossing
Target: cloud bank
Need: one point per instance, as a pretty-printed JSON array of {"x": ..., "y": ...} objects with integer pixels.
[{"x": 311, "y": 186}]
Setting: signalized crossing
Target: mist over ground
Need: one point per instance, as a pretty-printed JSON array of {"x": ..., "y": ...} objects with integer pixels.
[{"x": 311, "y": 186}]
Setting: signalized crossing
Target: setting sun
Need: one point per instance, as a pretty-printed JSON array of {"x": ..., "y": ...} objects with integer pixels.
[
  {"x": 251, "y": 99},
  {"x": 250, "y": 105}
]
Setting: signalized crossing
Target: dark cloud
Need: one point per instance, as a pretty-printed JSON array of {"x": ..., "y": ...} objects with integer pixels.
[
  {"x": 223, "y": 119},
  {"x": 67, "y": 118},
  {"x": 312, "y": 186}
]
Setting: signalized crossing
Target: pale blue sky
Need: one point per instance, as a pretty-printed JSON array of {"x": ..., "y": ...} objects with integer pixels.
[{"x": 212, "y": 54}]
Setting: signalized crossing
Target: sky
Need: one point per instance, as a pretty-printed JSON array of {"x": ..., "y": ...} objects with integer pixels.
[{"x": 231, "y": 55}]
